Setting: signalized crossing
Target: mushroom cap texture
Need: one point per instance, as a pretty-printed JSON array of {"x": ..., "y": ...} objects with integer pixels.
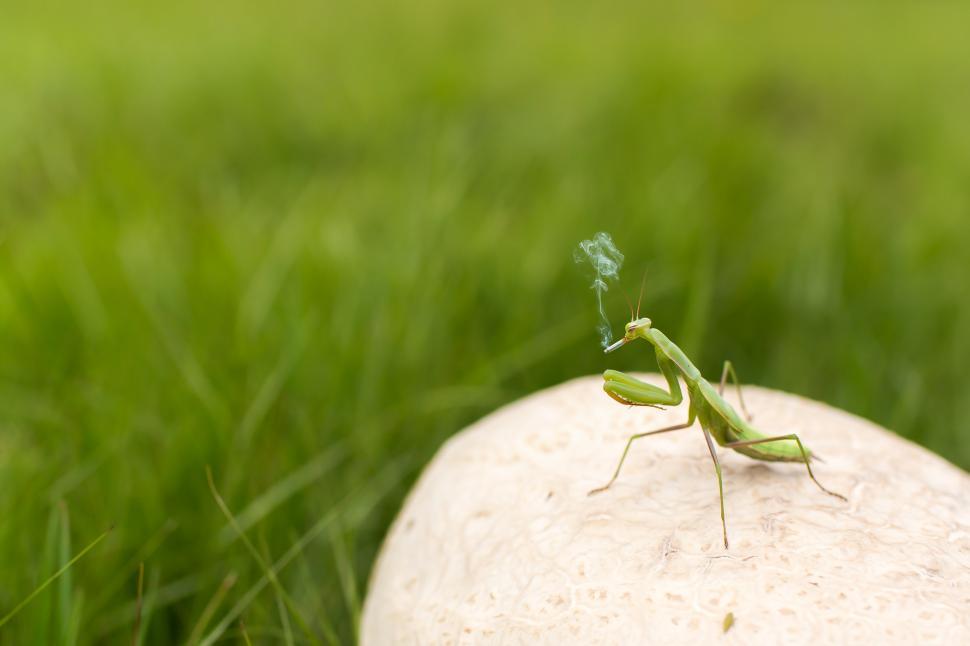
[{"x": 499, "y": 543}]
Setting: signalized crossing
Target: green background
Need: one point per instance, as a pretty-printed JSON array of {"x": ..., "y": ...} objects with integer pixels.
[{"x": 304, "y": 243}]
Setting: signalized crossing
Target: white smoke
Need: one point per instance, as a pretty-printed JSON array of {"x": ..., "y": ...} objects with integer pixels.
[{"x": 606, "y": 260}]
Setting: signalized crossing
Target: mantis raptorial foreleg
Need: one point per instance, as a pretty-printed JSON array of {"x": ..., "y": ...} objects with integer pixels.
[
  {"x": 626, "y": 450},
  {"x": 729, "y": 369},
  {"x": 805, "y": 458},
  {"x": 633, "y": 392}
]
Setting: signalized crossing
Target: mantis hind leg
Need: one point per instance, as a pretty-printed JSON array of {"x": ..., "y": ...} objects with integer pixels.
[
  {"x": 805, "y": 458},
  {"x": 720, "y": 482},
  {"x": 626, "y": 450},
  {"x": 729, "y": 369}
]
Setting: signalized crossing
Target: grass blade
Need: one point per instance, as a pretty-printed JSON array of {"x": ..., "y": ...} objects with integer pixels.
[
  {"x": 211, "y": 607},
  {"x": 138, "y": 604},
  {"x": 65, "y": 583},
  {"x": 348, "y": 580},
  {"x": 368, "y": 500},
  {"x": 52, "y": 578},
  {"x": 259, "y": 559},
  {"x": 299, "y": 479}
]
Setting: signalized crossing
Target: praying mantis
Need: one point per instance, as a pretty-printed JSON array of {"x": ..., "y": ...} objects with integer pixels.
[{"x": 717, "y": 417}]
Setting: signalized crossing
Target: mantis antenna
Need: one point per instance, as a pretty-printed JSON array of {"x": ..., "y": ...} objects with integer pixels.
[
  {"x": 630, "y": 305},
  {"x": 643, "y": 281}
]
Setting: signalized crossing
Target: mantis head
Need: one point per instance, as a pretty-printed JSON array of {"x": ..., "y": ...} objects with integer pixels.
[{"x": 633, "y": 329}]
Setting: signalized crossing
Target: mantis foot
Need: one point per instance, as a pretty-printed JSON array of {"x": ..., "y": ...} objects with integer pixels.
[{"x": 837, "y": 495}]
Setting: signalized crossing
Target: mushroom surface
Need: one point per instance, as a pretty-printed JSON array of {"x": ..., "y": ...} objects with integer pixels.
[{"x": 498, "y": 542}]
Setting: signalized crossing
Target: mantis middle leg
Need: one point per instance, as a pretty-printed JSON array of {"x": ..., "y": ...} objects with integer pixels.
[
  {"x": 729, "y": 369},
  {"x": 805, "y": 458},
  {"x": 720, "y": 481},
  {"x": 626, "y": 450}
]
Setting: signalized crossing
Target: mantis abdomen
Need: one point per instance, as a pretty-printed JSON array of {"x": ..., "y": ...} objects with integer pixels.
[{"x": 726, "y": 426}]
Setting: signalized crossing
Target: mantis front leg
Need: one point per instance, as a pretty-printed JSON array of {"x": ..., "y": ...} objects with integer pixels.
[{"x": 633, "y": 392}]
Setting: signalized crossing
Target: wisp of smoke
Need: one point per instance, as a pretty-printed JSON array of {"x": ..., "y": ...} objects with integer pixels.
[{"x": 606, "y": 260}]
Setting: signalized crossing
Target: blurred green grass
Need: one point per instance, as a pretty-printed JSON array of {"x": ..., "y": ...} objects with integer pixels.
[{"x": 306, "y": 243}]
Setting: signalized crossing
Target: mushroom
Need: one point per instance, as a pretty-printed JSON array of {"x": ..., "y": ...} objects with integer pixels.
[{"x": 499, "y": 543}]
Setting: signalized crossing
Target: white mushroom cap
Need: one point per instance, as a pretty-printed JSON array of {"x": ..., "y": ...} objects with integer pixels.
[{"x": 499, "y": 542}]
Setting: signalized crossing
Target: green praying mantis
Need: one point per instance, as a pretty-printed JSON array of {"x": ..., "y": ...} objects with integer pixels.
[{"x": 717, "y": 417}]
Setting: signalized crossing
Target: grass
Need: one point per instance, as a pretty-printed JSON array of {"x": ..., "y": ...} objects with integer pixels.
[{"x": 306, "y": 243}]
